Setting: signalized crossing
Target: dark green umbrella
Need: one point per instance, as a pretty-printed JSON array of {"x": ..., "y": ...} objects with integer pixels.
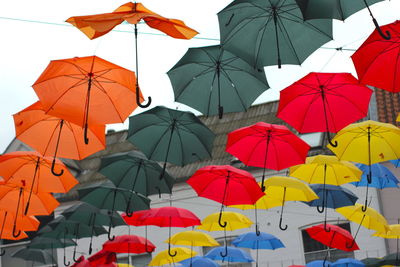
[
  {"x": 35, "y": 255},
  {"x": 134, "y": 172},
  {"x": 40, "y": 242},
  {"x": 106, "y": 196},
  {"x": 271, "y": 32},
  {"x": 337, "y": 9},
  {"x": 372, "y": 262},
  {"x": 169, "y": 135},
  {"x": 391, "y": 259},
  {"x": 213, "y": 80}
]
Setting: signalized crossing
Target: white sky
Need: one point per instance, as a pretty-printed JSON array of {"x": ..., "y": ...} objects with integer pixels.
[{"x": 26, "y": 48}]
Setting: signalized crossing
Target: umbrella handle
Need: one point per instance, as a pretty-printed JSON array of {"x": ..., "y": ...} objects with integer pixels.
[
  {"x": 334, "y": 144},
  {"x": 321, "y": 209},
  {"x": 2, "y": 252},
  {"x": 220, "y": 112},
  {"x": 365, "y": 206},
  {"x": 128, "y": 213},
  {"x": 326, "y": 229},
  {"x": 280, "y": 225},
  {"x": 138, "y": 99},
  {"x": 109, "y": 234},
  {"x": 16, "y": 234},
  {"x": 388, "y": 36},
  {"x": 90, "y": 249},
  {"x": 53, "y": 164},
  {"x": 223, "y": 225},
  {"x": 257, "y": 230},
  {"x": 74, "y": 256},
  {"x": 66, "y": 263},
  {"x": 351, "y": 244},
  {"x": 85, "y": 136},
  {"x": 223, "y": 255},
  {"x": 169, "y": 251}
]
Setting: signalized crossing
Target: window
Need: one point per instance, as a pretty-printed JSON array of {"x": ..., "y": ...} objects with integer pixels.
[
  {"x": 229, "y": 240},
  {"x": 314, "y": 250},
  {"x": 140, "y": 260},
  {"x": 314, "y": 140}
]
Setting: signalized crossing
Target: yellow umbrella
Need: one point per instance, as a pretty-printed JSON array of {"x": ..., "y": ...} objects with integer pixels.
[
  {"x": 192, "y": 238},
  {"x": 234, "y": 221},
  {"x": 288, "y": 189},
  {"x": 393, "y": 232},
  {"x": 367, "y": 142},
  {"x": 323, "y": 169},
  {"x": 370, "y": 218},
  {"x": 124, "y": 265},
  {"x": 163, "y": 258}
]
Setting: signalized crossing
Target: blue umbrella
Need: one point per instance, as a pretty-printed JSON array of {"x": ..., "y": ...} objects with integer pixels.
[
  {"x": 348, "y": 262},
  {"x": 198, "y": 261},
  {"x": 396, "y": 162},
  {"x": 382, "y": 177},
  {"x": 257, "y": 240},
  {"x": 319, "y": 263},
  {"x": 232, "y": 254},
  {"x": 331, "y": 196}
]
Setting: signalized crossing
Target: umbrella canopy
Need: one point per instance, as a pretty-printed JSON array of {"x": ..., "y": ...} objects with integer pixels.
[
  {"x": 267, "y": 146},
  {"x": 324, "y": 102},
  {"x": 396, "y": 162},
  {"x": 269, "y": 33},
  {"x": 192, "y": 238},
  {"x": 326, "y": 169},
  {"x": 52, "y": 136},
  {"x": 391, "y": 259},
  {"x": 393, "y": 232},
  {"x": 234, "y": 221},
  {"x": 319, "y": 263},
  {"x": 377, "y": 53},
  {"x": 213, "y": 81},
  {"x": 372, "y": 262},
  {"x": 35, "y": 255},
  {"x": 381, "y": 177},
  {"x": 129, "y": 244},
  {"x": 233, "y": 255},
  {"x": 134, "y": 172},
  {"x": 87, "y": 90},
  {"x": 261, "y": 241},
  {"x": 198, "y": 261},
  {"x": 367, "y": 142},
  {"x": 335, "y": 237},
  {"x": 169, "y": 135},
  {"x": 50, "y": 243},
  {"x": 103, "y": 258},
  {"x": 24, "y": 223},
  {"x": 163, "y": 257},
  {"x": 348, "y": 262}
]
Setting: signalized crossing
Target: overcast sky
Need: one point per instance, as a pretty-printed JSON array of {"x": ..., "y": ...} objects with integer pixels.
[{"x": 27, "y": 47}]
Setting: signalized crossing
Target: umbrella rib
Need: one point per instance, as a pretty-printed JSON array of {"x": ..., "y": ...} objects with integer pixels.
[
  {"x": 182, "y": 152},
  {"x": 201, "y": 141},
  {"x": 159, "y": 139},
  {"x": 288, "y": 39},
  {"x": 346, "y": 99},
  {"x": 189, "y": 82},
  {"x": 315, "y": 98},
  {"x": 234, "y": 87}
]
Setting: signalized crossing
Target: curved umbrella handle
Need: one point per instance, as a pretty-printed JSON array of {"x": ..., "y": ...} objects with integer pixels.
[
  {"x": 334, "y": 144},
  {"x": 74, "y": 256},
  {"x": 85, "y": 135},
  {"x": 16, "y": 234},
  {"x": 66, "y": 263},
  {"x": 321, "y": 209},
  {"x": 257, "y": 230},
  {"x": 90, "y": 248},
  {"x": 223, "y": 255},
  {"x": 326, "y": 229},
  {"x": 170, "y": 252},
  {"x": 365, "y": 206},
  {"x": 128, "y": 213},
  {"x": 109, "y": 233},
  {"x": 2, "y": 252},
  {"x": 53, "y": 164},
  {"x": 223, "y": 225},
  {"x": 280, "y": 225},
  {"x": 386, "y": 36},
  {"x": 138, "y": 99}
]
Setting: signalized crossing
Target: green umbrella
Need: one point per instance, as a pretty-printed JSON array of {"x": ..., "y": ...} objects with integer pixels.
[
  {"x": 35, "y": 255},
  {"x": 391, "y": 259},
  {"x": 213, "y": 80},
  {"x": 106, "y": 196},
  {"x": 40, "y": 242},
  {"x": 271, "y": 32},
  {"x": 169, "y": 135},
  {"x": 134, "y": 172},
  {"x": 372, "y": 262},
  {"x": 337, "y": 9}
]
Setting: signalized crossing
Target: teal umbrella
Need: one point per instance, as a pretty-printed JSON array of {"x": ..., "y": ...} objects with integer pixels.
[
  {"x": 169, "y": 135},
  {"x": 134, "y": 172},
  {"x": 337, "y": 9},
  {"x": 271, "y": 32},
  {"x": 40, "y": 242},
  {"x": 214, "y": 80},
  {"x": 106, "y": 196},
  {"x": 391, "y": 259},
  {"x": 35, "y": 255}
]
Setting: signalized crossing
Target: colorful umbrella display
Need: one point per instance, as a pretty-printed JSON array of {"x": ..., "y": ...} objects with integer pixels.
[
  {"x": 269, "y": 33},
  {"x": 234, "y": 221},
  {"x": 267, "y": 145},
  {"x": 52, "y": 136},
  {"x": 213, "y": 81},
  {"x": 381, "y": 177},
  {"x": 163, "y": 257},
  {"x": 232, "y": 255},
  {"x": 192, "y": 238},
  {"x": 376, "y": 59},
  {"x": 94, "y": 26},
  {"x": 129, "y": 244},
  {"x": 86, "y": 91},
  {"x": 134, "y": 172},
  {"x": 169, "y": 135}
]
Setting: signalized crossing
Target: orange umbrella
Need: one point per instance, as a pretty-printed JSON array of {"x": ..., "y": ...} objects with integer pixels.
[
  {"x": 40, "y": 203},
  {"x": 94, "y": 26},
  {"x": 51, "y": 135},
  {"x": 86, "y": 91}
]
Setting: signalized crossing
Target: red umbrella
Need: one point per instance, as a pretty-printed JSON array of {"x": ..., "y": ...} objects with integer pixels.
[
  {"x": 376, "y": 60},
  {"x": 335, "y": 237},
  {"x": 129, "y": 244},
  {"x": 163, "y": 217},
  {"x": 267, "y": 146},
  {"x": 103, "y": 258},
  {"x": 226, "y": 185},
  {"x": 324, "y": 102}
]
